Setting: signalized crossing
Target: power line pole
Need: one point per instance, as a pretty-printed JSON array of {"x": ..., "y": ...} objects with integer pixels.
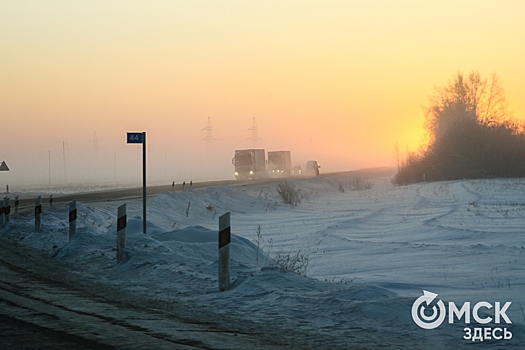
[
  {"x": 64, "y": 155},
  {"x": 95, "y": 143},
  {"x": 115, "y": 166},
  {"x": 255, "y": 136},
  {"x": 209, "y": 135}
]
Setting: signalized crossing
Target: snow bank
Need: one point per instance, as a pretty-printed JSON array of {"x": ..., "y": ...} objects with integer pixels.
[{"x": 371, "y": 253}]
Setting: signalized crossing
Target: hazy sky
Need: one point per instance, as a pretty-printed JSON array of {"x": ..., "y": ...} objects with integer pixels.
[{"x": 335, "y": 81}]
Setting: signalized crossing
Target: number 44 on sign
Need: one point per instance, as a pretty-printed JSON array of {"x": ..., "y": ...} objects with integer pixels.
[{"x": 135, "y": 137}]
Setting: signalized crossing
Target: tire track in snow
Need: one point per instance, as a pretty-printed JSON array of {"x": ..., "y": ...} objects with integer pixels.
[{"x": 31, "y": 296}]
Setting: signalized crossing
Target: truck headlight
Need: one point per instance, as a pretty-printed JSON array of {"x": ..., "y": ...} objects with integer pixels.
[
  {"x": 236, "y": 174},
  {"x": 251, "y": 172}
]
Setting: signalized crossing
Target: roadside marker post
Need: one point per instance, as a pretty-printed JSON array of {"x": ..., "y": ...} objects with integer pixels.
[
  {"x": 188, "y": 209},
  {"x": 121, "y": 231},
  {"x": 2, "y": 211},
  {"x": 72, "y": 218},
  {"x": 7, "y": 208},
  {"x": 50, "y": 200},
  {"x": 140, "y": 137},
  {"x": 224, "y": 252},
  {"x": 17, "y": 202},
  {"x": 38, "y": 213}
]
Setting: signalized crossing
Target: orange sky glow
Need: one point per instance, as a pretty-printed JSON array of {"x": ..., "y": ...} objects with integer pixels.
[{"x": 339, "y": 82}]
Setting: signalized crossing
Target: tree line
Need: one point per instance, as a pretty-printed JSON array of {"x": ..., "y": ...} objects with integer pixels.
[{"x": 471, "y": 134}]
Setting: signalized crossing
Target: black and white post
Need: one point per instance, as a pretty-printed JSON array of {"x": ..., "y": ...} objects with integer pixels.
[
  {"x": 121, "y": 231},
  {"x": 17, "y": 203},
  {"x": 72, "y": 218},
  {"x": 224, "y": 252},
  {"x": 7, "y": 208},
  {"x": 2, "y": 212},
  {"x": 38, "y": 213},
  {"x": 51, "y": 200}
]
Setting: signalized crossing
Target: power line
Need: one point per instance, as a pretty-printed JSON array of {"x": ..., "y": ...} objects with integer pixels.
[
  {"x": 64, "y": 156},
  {"x": 255, "y": 136},
  {"x": 209, "y": 135},
  {"x": 95, "y": 143}
]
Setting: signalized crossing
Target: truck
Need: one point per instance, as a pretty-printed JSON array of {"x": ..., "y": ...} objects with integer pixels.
[
  {"x": 249, "y": 164},
  {"x": 312, "y": 168},
  {"x": 279, "y": 164}
]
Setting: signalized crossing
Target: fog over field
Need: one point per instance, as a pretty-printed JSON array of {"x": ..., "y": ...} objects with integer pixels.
[
  {"x": 79, "y": 164},
  {"x": 341, "y": 83}
]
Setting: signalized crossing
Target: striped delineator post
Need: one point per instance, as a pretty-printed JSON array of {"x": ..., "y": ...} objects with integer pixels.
[
  {"x": 121, "y": 231},
  {"x": 38, "y": 212},
  {"x": 7, "y": 208},
  {"x": 72, "y": 218},
  {"x": 50, "y": 200},
  {"x": 2, "y": 211},
  {"x": 224, "y": 252},
  {"x": 17, "y": 202}
]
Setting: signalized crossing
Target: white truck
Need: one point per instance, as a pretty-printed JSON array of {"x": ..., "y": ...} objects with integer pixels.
[
  {"x": 279, "y": 164},
  {"x": 312, "y": 168},
  {"x": 249, "y": 164}
]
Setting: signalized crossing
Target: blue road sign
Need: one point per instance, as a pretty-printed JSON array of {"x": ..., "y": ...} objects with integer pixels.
[{"x": 135, "y": 137}]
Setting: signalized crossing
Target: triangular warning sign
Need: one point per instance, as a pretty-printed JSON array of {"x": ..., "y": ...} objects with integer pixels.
[{"x": 4, "y": 167}]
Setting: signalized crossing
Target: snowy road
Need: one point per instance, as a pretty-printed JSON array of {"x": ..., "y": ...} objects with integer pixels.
[{"x": 38, "y": 292}]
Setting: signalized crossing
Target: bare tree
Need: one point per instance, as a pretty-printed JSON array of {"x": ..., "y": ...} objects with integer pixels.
[
  {"x": 466, "y": 99},
  {"x": 472, "y": 134}
]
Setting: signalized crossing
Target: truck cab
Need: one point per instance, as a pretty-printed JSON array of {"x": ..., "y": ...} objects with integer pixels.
[
  {"x": 279, "y": 164},
  {"x": 249, "y": 164},
  {"x": 312, "y": 168}
]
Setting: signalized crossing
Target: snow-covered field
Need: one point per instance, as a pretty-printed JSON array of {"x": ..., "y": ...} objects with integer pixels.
[{"x": 371, "y": 253}]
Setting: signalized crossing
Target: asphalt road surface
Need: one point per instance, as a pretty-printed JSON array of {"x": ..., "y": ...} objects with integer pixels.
[
  {"x": 16, "y": 334},
  {"x": 44, "y": 305}
]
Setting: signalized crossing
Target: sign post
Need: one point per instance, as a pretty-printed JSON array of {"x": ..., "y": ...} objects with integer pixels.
[{"x": 140, "y": 137}]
